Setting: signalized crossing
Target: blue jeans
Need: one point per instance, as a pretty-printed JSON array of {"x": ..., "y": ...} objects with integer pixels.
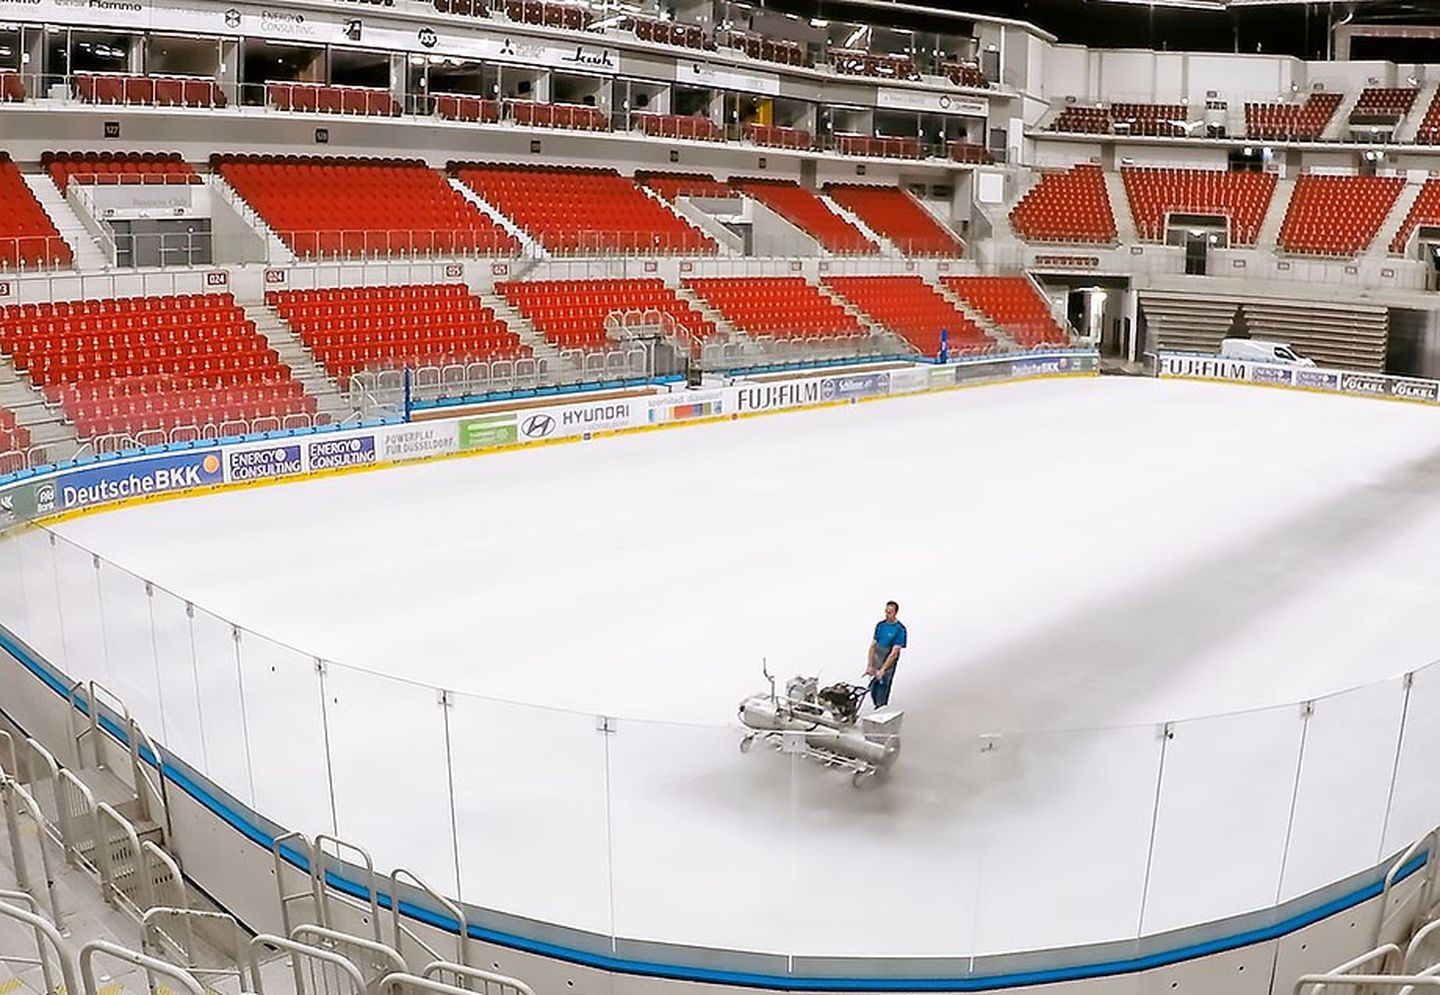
[{"x": 880, "y": 688}]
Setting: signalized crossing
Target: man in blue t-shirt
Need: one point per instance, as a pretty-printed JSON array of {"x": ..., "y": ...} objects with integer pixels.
[{"x": 884, "y": 654}]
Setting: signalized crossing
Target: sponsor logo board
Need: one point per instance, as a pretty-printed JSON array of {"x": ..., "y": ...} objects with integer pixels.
[
  {"x": 1207, "y": 367},
  {"x": 1272, "y": 374},
  {"x": 488, "y": 430},
  {"x": 1370, "y": 384},
  {"x": 332, "y": 454},
  {"x": 909, "y": 381},
  {"x": 595, "y": 417},
  {"x": 258, "y": 464},
  {"x": 1415, "y": 390},
  {"x": 940, "y": 376},
  {"x": 1317, "y": 379},
  {"x": 773, "y": 396},
  {"x": 156, "y": 475},
  {"x": 851, "y": 387},
  {"x": 419, "y": 441}
]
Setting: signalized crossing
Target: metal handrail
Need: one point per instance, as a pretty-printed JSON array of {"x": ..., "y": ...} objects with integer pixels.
[
  {"x": 51, "y": 935},
  {"x": 92, "y": 711},
  {"x": 110, "y": 889},
  {"x": 1414, "y": 945},
  {"x": 317, "y": 960},
  {"x": 155, "y": 853},
  {"x": 462, "y": 945},
  {"x": 502, "y": 984},
  {"x": 12, "y": 768},
  {"x": 379, "y": 956},
  {"x": 28, "y": 904},
  {"x": 319, "y": 860},
  {"x": 10, "y": 791},
  {"x": 276, "y": 845},
  {"x": 1358, "y": 981},
  {"x": 1430, "y": 843},
  {"x": 153, "y": 936},
  {"x": 150, "y": 965},
  {"x": 68, "y": 787}
]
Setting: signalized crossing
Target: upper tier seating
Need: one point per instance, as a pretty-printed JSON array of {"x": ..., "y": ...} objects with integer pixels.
[
  {"x": 1073, "y": 206},
  {"x": 1292, "y": 122},
  {"x": 28, "y": 238},
  {"x": 667, "y": 32},
  {"x": 672, "y": 185},
  {"x": 783, "y": 307},
  {"x": 145, "y": 364},
  {"x": 890, "y": 148},
  {"x": 460, "y": 107},
  {"x": 894, "y": 214},
  {"x": 855, "y": 63},
  {"x": 1164, "y": 120},
  {"x": 1429, "y": 131},
  {"x": 577, "y": 210},
  {"x": 965, "y": 74},
  {"x": 572, "y": 313},
  {"x": 1425, "y": 211},
  {"x": 1014, "y": 305},
  {"x": 767, "y": 49},
  {"x": 12, "y": 87},
  {"x": 914, "y": 310},
  {"x": 778, "y": 137},
  {"x": 14, "y": 441},
  {"x": 164, "y": 91},
  {"x": 318, "y": 98},
  {"x": 466, "y": 8},
  {"x": 689, "y": 126},
  {"x": 362, "y": 207},
  {"x": 576, "y": 17},
  {"x": 574, "y": 116},
  {"x": 809, "y": 213},
  {"x": 117, "y": 167},
  {"x": 1337, "y": 215},
  {"x": 1156, "y": 192},
  {"x": 357, "y": 328},
  {"x": 970, "y": 152},
  {"x": 1384, "y": 103}
]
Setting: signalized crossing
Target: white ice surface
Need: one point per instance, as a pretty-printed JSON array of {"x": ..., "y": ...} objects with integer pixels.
[{"x": 1068, "y": 555}]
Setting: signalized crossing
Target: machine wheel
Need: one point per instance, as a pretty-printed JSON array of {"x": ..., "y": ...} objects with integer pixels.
[
  {"x": 745, "y": 742},
  {"x": 860, "y": 777}
]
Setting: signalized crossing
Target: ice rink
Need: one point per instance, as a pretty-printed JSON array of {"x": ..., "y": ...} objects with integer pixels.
[{"x": 1077, "y": 562}]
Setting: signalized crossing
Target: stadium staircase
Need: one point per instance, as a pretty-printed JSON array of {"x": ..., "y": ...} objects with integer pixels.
[
  {"x": 887, "y": 247},
  {"x": 868, "y": 323},
  {"x": 276, "y": 251},
  {"x": 88, "y": 256},
  {"x": 1409, "y": 125},
  {"x": 980, "y": 318},
  {"x": 1269, "y": 237},
  {"x": 729, "y": 244},
  {"x": 540, "y": 346},
  {"x": 1338, "y": 127},
  {"x": 1398, "y": 216},
  {"x": 303, "y": 365},
  {"x": 1120, "y": 206},
  {"x": 709, "y": 312},
  {"x": 531, "y": 247}
]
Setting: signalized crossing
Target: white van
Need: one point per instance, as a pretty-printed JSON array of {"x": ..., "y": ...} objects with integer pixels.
[{"x": 1261, "y": 351}]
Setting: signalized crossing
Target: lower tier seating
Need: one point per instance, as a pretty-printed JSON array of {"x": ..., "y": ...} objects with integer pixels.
[
  {"x": 359, "y": 207},
  {"x": 1425, "y": 211},
  {"x": 1337, "y": 215},
  {"x": 1072, "y": 206},
  {"x": 893, "y": 213},
  {"x": 117, "y": 167},
  {"x": 572, "y": 313},
  {"x": 14, "y": 441},
  {"x": 28, "y": 238},
  {"x": 146, "y": 364},
  {"x": 358, "y": 328},
  {"x": 1013, "y": 304},
  {"x": 810, "y": 214},
  {"x": 577, "y": 210},
  {"x": 1155, "y": 193},
  {"x": 776, "y": 307},
  {"x": 914, "y": 310}
]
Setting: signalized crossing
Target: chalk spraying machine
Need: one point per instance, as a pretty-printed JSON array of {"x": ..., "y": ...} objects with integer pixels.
[{"x": 823, "y": 725}]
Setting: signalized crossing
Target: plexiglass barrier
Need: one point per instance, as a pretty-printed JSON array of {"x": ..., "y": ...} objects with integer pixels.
[{"x": 976, "y": 842}]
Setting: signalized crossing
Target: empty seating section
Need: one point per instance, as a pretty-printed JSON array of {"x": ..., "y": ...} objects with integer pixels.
[
  {"x": 466, "y": 8},
  {"x": 1072, "y": 206},
  {"x": 1154, "y": 120},
  {"x": 767, "y": 49},
  {"x": 575, "y": 116},
  {"x": 14, "y": 440},
  {"x": 576, "y": 17},
  {"x": 1425, "y": 211},
  {"x": 1303, "y": 121},
  {"x": 572, "y": 313},
  {"x": 357, "y": 328},
  {"x": 1013, "y": 304},
  {"x": 12, "y": 87},
  {"x": 893, "y": 213},
  {"x": 914, "y": 310},
  {"x": 359, "y": 207},
  {"x": 672, "y": 185},
  {"x": 1337, "y": 215},
  {"x": 1384, "y": 103},
  {"x": 318, "y": 98},
  {"x": 810, "y": 214},
  {"x": 458, "y": 107},
  {"x": 965, "y": 74},
  {"x": 165, "y": 91},
  {"x": 117, "y": 167},
  {"x": 853, "y": 63},
  {"x": 680, "y": 126},
  {"x": 892, "y": 148},
  {"x": 28, "y": 238},
  {"x": 778, "y": 137},
  {"x": 784, "y": 307},
  {"x": 129, "y": 365},
  {"x": 667, "y": 32},
  {"x": 970, "y": 152},
  {"x": 1155, "y": 193},
  {"x": 577, "y": 210},
  {"x": 1429, "y": 131}
]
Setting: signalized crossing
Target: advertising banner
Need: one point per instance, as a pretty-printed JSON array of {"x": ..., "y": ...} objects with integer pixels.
[
  {"x": 1361, "y": 384},
  {"x": 684, "y": 407},
  {"x": 1205, "y": 367},
  {"x": 137, "y": 478},
  {"x": 1414, "y": 390},
  {"x": 1313, "y": 379},
  {"x": 333, "y": 454},
  {"x": 488, "y": 430},
  {"x": 257, "y": 464},
  {"x": 416, "y": 441},
  {"x": 852, "y": 387}
]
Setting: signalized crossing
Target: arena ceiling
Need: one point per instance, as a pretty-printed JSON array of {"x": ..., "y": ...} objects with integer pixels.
[{"x": 1282, "y": 27}]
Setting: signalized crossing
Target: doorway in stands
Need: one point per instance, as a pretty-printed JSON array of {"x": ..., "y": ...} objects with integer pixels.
[{"x": 1097, "y": 309}]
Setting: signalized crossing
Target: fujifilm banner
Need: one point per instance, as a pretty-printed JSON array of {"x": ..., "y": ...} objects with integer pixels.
[{"x": 1354, "y": 382}]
